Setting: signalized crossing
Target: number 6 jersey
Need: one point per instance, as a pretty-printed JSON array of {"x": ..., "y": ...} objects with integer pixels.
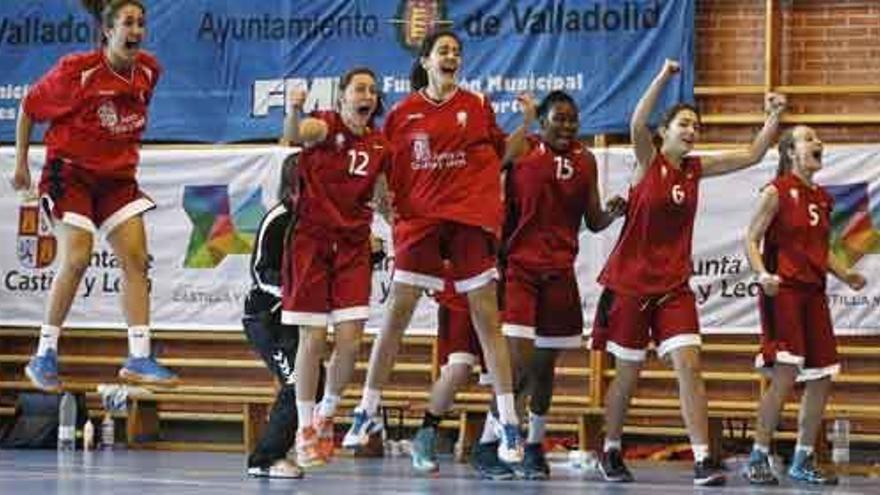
[{"x": 653, "y": 252}]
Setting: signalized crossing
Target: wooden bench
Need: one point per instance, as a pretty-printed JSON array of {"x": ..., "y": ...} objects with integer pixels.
[{"x": 576, "y": 407}]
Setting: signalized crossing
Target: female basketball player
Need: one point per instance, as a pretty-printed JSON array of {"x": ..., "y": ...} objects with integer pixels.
[
  {"x": 646, "y": 295},
  {"x": 792, "y": 224},
  {"x": 96, "y": 106}
]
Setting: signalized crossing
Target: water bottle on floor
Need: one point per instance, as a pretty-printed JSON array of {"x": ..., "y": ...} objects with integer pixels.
[
  {"x": 108, "y": 433},
  {"x": 67, "y": 422},
  {"x": 88, "y": 436},
  {"x": 840, "y": 441}
]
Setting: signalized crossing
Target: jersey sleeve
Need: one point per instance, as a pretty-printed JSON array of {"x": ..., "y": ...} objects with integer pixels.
[
  {"x": 152, "y": 69},
  {"x": 590, "y": 168},
  {"x": 55, "y": 94}
]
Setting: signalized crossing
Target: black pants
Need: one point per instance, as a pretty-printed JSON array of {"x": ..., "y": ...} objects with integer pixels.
[{"x": 277, "y": 345}]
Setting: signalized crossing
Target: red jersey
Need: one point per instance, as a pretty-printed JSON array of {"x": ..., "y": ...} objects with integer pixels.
[
  {"x": 796, "y": 242},
  {"x": 547, "y": 199},
  {"x": 653, "y": 252},
  {"x": 337, "y": 177},
  {"x": 445, "y": 159},
  {"x": 96, "y": 115}
]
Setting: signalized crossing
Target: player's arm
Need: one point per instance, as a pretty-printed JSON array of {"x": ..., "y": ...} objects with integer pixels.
[
  {"x": 517, "y": 145},
  {"x": 54, "y": 95},
  {"x": 852, "y": 278},
  {"x": 768, "y": 206},
  {"x": 382, "y": 199},
  {"x": 732, "y": 161},
  {"x": 24, "y": 125},
  {"x": 641, "y": 135},
  {"x": 596, "y": 218},
  {"x": 300, "y": 131}
]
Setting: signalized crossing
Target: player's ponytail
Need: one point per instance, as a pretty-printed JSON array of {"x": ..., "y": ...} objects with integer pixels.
[{"x": 786, "y": 146}]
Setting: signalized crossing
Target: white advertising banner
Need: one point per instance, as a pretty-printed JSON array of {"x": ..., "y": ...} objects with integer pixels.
[{"x": 210, "y": 202}]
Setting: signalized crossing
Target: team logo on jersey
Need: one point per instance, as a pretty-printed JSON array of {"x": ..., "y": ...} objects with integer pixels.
[
  {"x": 663, "y": 171},
  {"x": 416, "y": 19},
  {"x": 421, "y": 148},
  {"x": 340, "y": 140},
  {"x": 461, "y": 117},
  {"x": 414, "y": 116},
  {"x": 107, "y": 115},
  {"x": 795, "y": 195},
  {"x": 36, "y": 244}
]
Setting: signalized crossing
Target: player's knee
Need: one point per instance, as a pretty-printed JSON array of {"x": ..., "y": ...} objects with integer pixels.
[
  {"x": 134, "y": 261},
  {"x": 687, "y": 360},
  {"x": 404, "y": 295},
  {"x": 347, "y": 346},
  {"x": 458, "y": 373},
  {"x": 77, "y": 258}
]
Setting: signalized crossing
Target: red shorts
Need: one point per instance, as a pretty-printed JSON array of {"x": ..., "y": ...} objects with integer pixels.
[
  {"x": 88, "y": 200},
  {"x": 543, "y": 305},
  {"x": 420, "y": 248},
  {"x": 625, "y": 324},
  {"x": 457, "y": 341},
  {"x": 796, "y": 329},
  {"x": 327, "y": 281}
]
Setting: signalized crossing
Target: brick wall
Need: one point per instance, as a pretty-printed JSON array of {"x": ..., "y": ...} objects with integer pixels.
[{"x": 822, "y": 42}]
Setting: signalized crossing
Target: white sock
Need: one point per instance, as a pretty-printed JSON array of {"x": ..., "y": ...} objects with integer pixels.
[
  {"x": 764, "y": 449},
  {"x": 701, "y": 452},
  {"x": 611, "y": 445},
  {"x": 490, "y": 431},
  {"x": 139, "y": 341},
  {"x": 304, "y": 411},
  {"x": 48, "y": 339},
  {"x": 507, "y": 409},
  {"x": 370, "y": 401},
  {"x": 806, "y": 449},
  {"x": 328, "y": 406},
  {"x": 537, "y": 428}
]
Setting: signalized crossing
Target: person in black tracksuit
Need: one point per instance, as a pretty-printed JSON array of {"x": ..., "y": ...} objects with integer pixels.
[{"x": 275, "y": 343}]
